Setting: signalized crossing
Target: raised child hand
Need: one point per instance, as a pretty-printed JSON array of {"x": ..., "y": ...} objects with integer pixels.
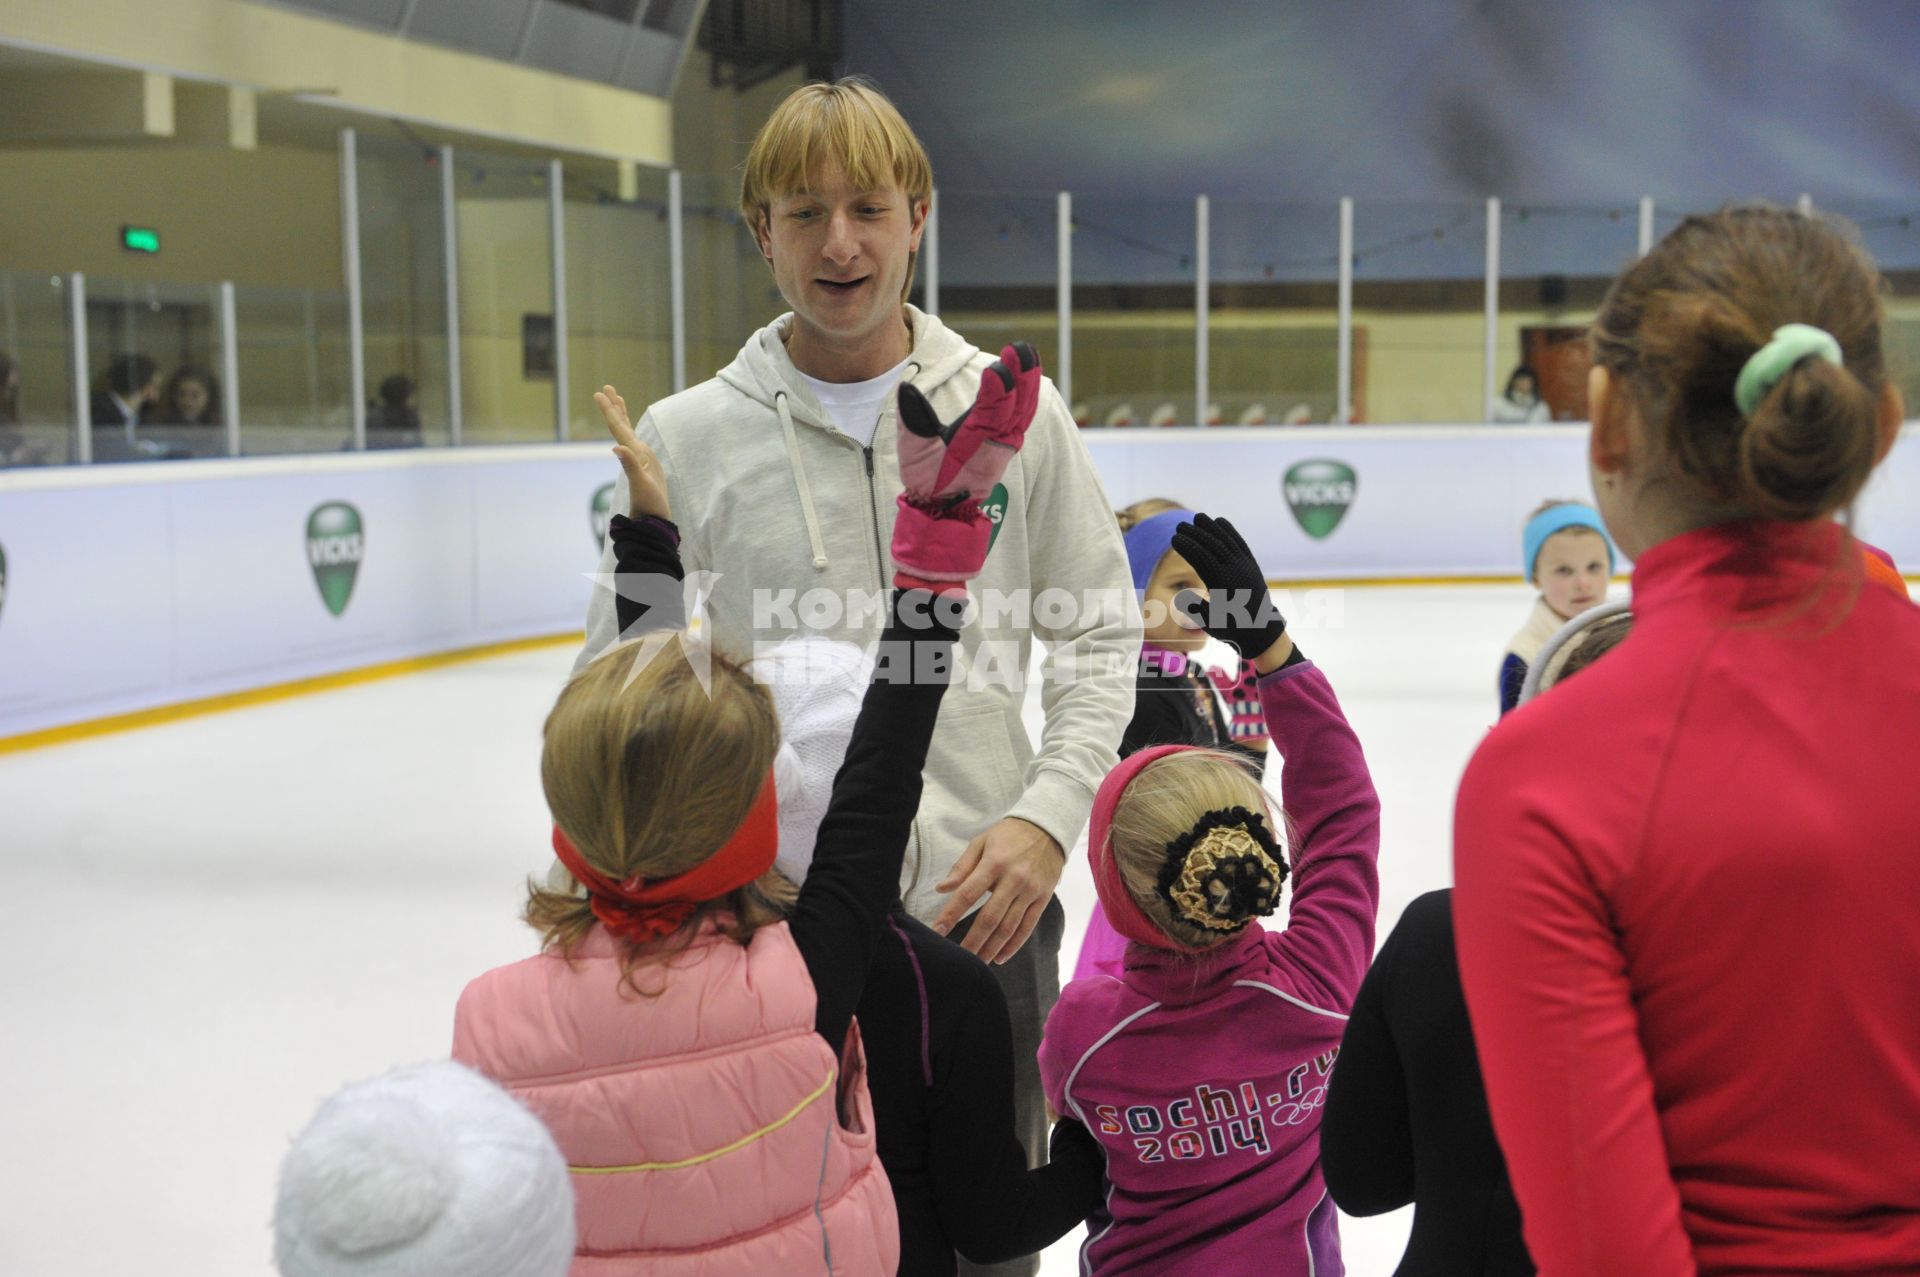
[
  {"x": 941, "y": 536},
  {"x": 1238, "y": 609},
  {"x": 646, "y": 480}
]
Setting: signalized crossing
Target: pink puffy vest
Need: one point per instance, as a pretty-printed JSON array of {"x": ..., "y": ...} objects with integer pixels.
[{"x": 703, "y": 1126}]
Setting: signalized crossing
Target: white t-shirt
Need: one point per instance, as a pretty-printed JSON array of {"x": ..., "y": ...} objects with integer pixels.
[{"x": 855, "y": 405}]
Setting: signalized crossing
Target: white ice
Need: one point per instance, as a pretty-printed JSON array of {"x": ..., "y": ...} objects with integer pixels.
[{"x": 209, "y": 926}]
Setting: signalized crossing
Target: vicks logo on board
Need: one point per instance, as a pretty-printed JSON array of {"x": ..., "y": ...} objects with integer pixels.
[
  {"x": 336, "y": 543},
  {"x": 600, "y": 513},
  {"x": 995, "y": 508},
  {"x": 1319, "y": 492}
]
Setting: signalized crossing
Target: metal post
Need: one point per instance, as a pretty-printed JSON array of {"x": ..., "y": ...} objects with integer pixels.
[
  {"x": 1343, "y": 393},
  {"x": 930, "y": 251},
  {"x": 557, "y": 225},
  {"x": 1646, "y": 225},
  {"x": 450, "y": 243},
  {"x": 1493, "y": 305},
  {"x": 1063, "y": 295},
  {"x": 229, "y": 368},
  {"x": 77, "y": 360},
  {"x": 1805, "y": 204},
  {"x": 677, "y": 277},
  {"x": 310, "y": 332},
  {"x": 1202, "y": 278},
  {"x": 350, "y": 250},
  {"x": 9, "y": 313}
]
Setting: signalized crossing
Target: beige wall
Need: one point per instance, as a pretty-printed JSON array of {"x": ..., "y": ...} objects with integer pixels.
[
  {"x": 619, "y": 318},
  {"x": 255, "y": 217},
  {"x": 1417, "y": 367},
  {"x": 730, "y": 292},
  {"x": 275, "y": 50}
]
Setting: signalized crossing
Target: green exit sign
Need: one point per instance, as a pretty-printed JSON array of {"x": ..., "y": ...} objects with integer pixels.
[{"x": 140, "y": 239}]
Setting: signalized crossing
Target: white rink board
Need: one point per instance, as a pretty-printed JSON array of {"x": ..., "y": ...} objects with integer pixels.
[
  {"x": 128, "y": 587},
  {"x": 1435, "y": 501}
]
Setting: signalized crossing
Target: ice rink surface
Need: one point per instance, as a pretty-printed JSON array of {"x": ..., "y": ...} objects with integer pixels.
[{"x": 208, "y": 926}]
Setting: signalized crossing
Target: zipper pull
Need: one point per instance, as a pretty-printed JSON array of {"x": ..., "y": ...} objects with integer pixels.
[{"x": 869, "y": 451}]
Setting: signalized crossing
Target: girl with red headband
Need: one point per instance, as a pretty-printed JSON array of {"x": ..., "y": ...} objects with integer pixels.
[
  {"x": 694, "y": 1052},
  {"x": 1202, "y": 1067}
]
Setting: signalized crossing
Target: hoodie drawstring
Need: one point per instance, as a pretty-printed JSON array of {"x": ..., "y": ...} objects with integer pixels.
[{"x": 800, "y": 480}]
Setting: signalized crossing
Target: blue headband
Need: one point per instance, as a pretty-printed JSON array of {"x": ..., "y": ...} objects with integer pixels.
[
  {"x": 1559, "y": 519},
  {"x": 1148, "y": 542}
]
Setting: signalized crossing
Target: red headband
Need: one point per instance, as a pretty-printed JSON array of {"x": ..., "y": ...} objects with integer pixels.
[
  {"x": 639, "y": 911},
  {"x": 1118, "y": 903},
  {"x": 1127, "y": 917}
]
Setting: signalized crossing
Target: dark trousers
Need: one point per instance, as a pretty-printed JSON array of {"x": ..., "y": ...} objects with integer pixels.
[{"x": 1031, "y": 981}]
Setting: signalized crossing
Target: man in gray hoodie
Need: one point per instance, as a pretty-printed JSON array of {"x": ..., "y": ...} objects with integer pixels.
[{"x": 783, "y": 474}]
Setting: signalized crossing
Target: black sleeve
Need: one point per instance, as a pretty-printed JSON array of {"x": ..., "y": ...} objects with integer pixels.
[
  {"x": 1366, "y": 1135},
  {"x": 647, "y": 575},
  {"x": 991, "y": 1206},
  {"x": 1157, "y": 719},
  {"x": 855, "y": 874},
  {"x": 1513, "y": 676}
]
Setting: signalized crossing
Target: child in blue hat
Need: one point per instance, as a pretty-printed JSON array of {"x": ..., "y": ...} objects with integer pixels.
[
  {"x": 1566, "y": 554},
  {"x": 1176, "y": 699}
]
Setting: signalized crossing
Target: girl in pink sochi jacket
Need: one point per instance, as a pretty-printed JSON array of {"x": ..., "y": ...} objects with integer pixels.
[
  {"x": 695, "y": 1056},
  {"x": 1203, "y": 1066}
]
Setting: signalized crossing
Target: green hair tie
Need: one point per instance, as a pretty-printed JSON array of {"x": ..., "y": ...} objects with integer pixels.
[{"x": 1791, "y": 343}]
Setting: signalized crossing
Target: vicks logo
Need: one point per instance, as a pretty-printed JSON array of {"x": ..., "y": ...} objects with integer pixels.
[
  {"x": 600, "y": 513},
  {"x": 995, "y": 508},
  {"x": 1318, "y": 493},
  {"x": 335, "y": 545}
]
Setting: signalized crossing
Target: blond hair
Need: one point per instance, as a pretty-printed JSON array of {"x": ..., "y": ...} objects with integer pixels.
[
  {"x": 649, "y": 773},
  {"x": 848, "y": 124},
  {"x": 1555, "y": 503},
  {"x": 1139, "y": 512},
  {"x": 1162, "y": 803}
]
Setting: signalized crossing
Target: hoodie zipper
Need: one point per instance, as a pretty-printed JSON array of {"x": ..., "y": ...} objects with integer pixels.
[{"x": 873, "y": 508}]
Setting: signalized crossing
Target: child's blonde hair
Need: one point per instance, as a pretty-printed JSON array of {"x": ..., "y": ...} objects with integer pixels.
[
  {"x": 1555, "y": 503},
  {"x": 1164, "y": 802},
  {"x": 649, "y": 773},
  {"x": 848, "y": 124},
  {"x": 1140, "y": 511}
]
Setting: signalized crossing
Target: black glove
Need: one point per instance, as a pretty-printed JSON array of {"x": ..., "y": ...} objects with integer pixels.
[{"x": 1239, "y": 610}]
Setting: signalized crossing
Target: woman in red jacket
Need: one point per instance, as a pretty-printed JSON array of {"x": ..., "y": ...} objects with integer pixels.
[{"x": 1688, "y": 883}]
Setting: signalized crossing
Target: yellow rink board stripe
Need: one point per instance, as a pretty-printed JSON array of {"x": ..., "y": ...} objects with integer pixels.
[
  {"x": 276, "y": 692},
  {"x": 413, "y": 665}
]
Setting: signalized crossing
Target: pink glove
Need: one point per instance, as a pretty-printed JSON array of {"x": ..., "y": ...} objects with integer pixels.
[{"x": 941, "y": 535}]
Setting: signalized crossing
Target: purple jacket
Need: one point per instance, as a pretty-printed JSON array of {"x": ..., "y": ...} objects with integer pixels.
[{"x": 1203, "y": 1076}]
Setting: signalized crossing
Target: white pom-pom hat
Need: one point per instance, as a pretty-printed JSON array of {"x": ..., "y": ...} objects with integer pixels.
[
  {"x": 430, "y": 1171},
  {"x": 817, "y": 686}
]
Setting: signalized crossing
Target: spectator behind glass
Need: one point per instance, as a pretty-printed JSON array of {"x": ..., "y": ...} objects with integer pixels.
[
  {"x": 126, "y": 392},
  {"x": 393, "y": 419},
  {"x": 124, "y": 397},
  {"x": 15, "y": 449},
  {"x": 1521, "y": 403},
  {"x": 191, "y": 397}
]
